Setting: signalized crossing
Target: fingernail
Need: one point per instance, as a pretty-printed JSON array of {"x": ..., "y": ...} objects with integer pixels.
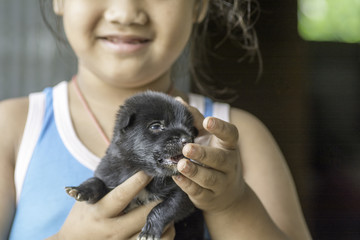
[
  {"x": 210, "y": 123},
  {"x": 184, "y": 166},
  {"x": 188, "y": 150},
  {"x": 178, "y": 177}
]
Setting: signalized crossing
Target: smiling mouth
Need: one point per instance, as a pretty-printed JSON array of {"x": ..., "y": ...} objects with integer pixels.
[
  {"x": 124, "y": 44},
  {"x": 119, "y": 40}
]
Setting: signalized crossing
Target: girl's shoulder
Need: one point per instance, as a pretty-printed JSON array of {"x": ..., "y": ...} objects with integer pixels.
[
  {"x": 251, "y": 129},
  {"x": 13, "y": 115},
  {"x": 246, "y": 122},
  {"x": 256, "y": 143}
]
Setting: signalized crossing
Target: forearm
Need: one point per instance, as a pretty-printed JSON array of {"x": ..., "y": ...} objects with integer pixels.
[
  {"x": 54, "y": 237},
  {"x": 247, "y": 219},
  {"x": 7, "y": 207}
]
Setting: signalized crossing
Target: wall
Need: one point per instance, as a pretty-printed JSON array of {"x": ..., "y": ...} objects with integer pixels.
[{"x": 30, "y": 58}]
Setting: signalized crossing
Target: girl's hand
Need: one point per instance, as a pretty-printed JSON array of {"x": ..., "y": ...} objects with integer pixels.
[
  {"x": 218, "y": 186},
  {"x": 168, "y": 234},
  {"x": 104, "y": 219}
]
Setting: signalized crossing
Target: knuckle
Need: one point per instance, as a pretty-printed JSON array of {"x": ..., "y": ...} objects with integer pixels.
[
  {"x": 193, "y": 171},
  {"x": 235, "y": 132},
  {"x": 196, "y": 190},
  {"x": 202, "y": 155},
  {"x": 187, "y": 185},
  {"x": 223, "y": 126},
  {"x": 195, "y": 111},
  {"x": 118, "y": 195},
  {"x": 192, "y": 188},
  {"x": 141, "y": 179},
  {"x": 218, "y": 158},
  {"x": 210, "y": 180},
  {"x": 221, "y": 157},
  {"x": 231, "y": 141},
  {"x": 232, "y": 130}
]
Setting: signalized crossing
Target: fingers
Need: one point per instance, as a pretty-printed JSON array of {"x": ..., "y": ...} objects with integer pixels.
[
  {"x": 134, "y": 220},
  {"x": 206, "y": 178},
  {"x": 205, "y": 182},
  {"x": 211, "y": 157},
  {"x": 115, "y": 201},
  {"x": 226, "y": 133},
  {"x": 199, "y": 195}
]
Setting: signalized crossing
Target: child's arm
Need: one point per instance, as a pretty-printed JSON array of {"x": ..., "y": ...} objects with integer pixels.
[
  {"x": 248, "y": 193},
  {"x": 104, "y": 219},
  {"x": 13, "y": 115},
  {"x": 267, "y": 174}
]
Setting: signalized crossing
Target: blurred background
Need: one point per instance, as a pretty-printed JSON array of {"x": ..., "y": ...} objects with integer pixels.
[{"x": 308, "y": 95}]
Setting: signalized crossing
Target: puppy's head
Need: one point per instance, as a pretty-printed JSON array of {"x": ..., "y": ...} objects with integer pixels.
[{"x": 151, "y": 130}]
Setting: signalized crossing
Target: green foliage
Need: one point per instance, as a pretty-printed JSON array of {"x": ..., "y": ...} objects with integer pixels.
[{"x": 329, "y": 20}]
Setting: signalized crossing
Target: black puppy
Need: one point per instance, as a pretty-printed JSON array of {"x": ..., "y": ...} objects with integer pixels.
[{"x": 150, "y": 131}]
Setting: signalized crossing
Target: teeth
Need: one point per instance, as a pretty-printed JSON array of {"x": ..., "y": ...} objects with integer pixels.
[
  {"x": 113, "y": 40},
  {"x": 134, "y": 42},
  {"x": 118, "y": 40}
]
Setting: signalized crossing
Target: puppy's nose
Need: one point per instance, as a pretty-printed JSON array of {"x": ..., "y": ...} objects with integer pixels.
[{"x": 186, "y": 139}]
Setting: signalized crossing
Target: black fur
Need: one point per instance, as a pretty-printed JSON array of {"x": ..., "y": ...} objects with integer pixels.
[{"x": 150, "y": 131}]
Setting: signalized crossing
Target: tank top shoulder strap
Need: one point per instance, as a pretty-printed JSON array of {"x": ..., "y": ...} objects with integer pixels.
[
  {"x": 66, "y": 129},
  {"x": 34, "y": 123},
  {"x": 209, "y": 108}
]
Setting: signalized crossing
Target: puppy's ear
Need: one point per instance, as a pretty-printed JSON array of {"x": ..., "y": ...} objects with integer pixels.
[{"x": 125, "y": 118}]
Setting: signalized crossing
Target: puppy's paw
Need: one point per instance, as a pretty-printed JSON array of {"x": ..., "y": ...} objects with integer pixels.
[
  {"x": 91, "y": 191},
  {"x": 147, "y": 237},
  {"x": 150, "y": 232},
  {"x": 76, "y": 193}
]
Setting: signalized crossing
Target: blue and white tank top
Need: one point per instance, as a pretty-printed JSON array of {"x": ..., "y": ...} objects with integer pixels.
[{"x": 51, "y": 156}]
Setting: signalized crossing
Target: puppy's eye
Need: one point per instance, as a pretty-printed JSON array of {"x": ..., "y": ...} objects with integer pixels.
[{"x": 156, "y": 127}]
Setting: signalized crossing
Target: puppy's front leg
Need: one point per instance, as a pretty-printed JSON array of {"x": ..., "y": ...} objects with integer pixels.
[
  {"x": 92, "y": 190},
  {"x": 174, "y": 208}
]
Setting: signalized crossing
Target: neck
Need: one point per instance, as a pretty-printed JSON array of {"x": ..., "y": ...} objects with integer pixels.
[
  {"x": 111, "y": 93},
  {"x": 103, "y": 97}
]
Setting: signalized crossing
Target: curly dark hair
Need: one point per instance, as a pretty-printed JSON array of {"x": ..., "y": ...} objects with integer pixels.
[{"x": 226, "y": 20}]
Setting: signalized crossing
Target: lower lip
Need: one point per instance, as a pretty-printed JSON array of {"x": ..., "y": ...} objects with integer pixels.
[{"x": 125, "y": 48}]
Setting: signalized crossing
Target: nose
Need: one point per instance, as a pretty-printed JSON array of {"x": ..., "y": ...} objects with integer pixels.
[
  {"x": 125, "y": 12},
  {"x": 184, "y": 139}
]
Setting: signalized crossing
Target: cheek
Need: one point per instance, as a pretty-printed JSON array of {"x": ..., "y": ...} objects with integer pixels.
[
  {"x": 174, "y": 30},
  {"x": 79, "y": 23}
]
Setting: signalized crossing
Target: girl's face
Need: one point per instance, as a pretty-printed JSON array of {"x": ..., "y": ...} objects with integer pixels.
[{"x": 127, "y": 42}]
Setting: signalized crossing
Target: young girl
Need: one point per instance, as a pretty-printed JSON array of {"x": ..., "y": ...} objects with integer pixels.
[{"x": 56, "y": 138}]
